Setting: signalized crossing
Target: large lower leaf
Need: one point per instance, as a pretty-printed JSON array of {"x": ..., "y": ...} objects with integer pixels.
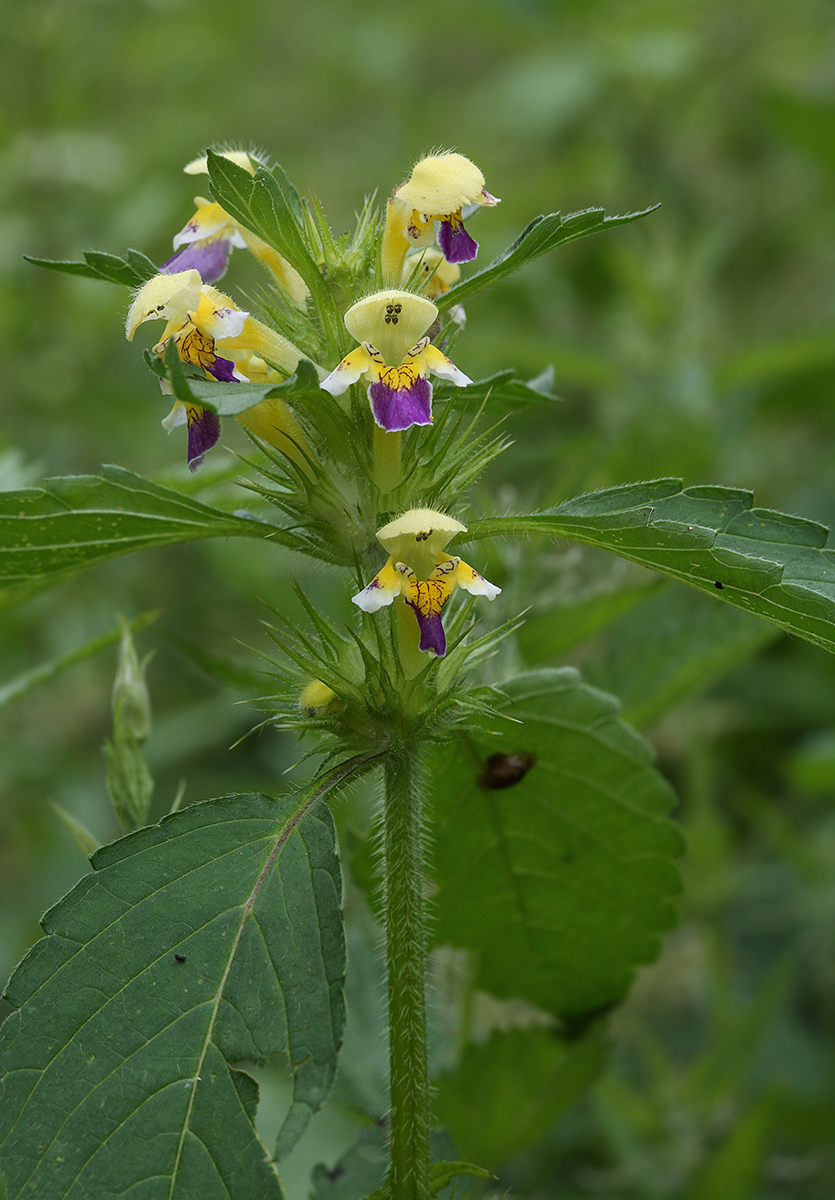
[
  {"x": 211, "y": 938},
  {"x": 72, "y": 522},
  {"x": 553, "y": 854},
  {"x": 780, "y": 567},
  {"x": 508, "y": 1091}
]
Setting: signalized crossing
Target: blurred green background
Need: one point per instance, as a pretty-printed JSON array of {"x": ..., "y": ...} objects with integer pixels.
[{"x": 697, "y": 342}]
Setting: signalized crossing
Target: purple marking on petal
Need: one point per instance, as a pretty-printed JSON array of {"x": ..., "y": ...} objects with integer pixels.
[
  {"x": 432, "y": 636},
  {"x": 222, "y": 370},
  {"x": 203, "y": 432},
  {"x": 456, "y": 244},
  {"x": 395, "y": 409},
  {"x": 209, "y": 258}
]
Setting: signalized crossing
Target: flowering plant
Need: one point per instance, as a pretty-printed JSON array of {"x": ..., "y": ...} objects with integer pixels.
[{"x": 517, "y": 807}]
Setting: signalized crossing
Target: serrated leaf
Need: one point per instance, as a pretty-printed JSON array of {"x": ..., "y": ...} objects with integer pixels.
[
  {"x": 131, "y": 271},
  {"x": 211, "y": 938},
  {"x": 74, "y": 521},
  {"x": 554, "y": 861},
  {"x": 544, "y": 233},
  {"x": 779, "y": 567},
  {"x": 266, "y": 204}
]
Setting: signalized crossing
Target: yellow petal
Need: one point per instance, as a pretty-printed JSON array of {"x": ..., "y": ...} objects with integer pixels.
[
  {"x": 418, "y": 538},
  {"x": 442, "y": 184},
  {"x": 384, "y": 588},
  {"x": 349, "y": 370},
  {"x": 391, "y": 320},
  {"x": 164, "y": 297}
]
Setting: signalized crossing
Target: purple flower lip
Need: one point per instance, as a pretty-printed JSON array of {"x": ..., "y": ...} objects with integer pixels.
[
  {"x": 396, "y": 409},
  {"x": 222, "y": 369},
  {"x": 456, "y": 243},
  {"x": 203, "y": 433},
  {"x": 432, "y": 636},
  {"x": 209, "y": 258}
]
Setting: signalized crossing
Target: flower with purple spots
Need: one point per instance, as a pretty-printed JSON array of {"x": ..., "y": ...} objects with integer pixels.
[
  {"x": 419, "y": 571},
  {"x": 394, "y": 358}
]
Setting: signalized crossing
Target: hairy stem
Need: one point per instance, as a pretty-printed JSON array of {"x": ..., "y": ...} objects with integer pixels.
[{"x": 406, "y": 962}]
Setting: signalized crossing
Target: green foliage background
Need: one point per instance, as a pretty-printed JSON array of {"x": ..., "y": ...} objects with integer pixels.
[{"x": 698, "y": 342}]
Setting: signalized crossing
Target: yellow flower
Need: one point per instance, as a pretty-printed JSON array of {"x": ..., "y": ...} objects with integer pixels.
[
  {"x": 443, "y": 188},
  {"x": 394, "y": 358},
  {"x": 419, "y": 571},
  {"x": 209, "y": 236},
  {"x": 228, "y": 345}
]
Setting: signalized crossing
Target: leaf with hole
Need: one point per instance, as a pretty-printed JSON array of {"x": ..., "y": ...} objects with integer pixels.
[{"x": 553, "y": 855}]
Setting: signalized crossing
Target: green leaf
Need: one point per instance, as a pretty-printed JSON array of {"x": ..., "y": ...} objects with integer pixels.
[
  {"x": 553, "y": 854},
  {"x": 230, "y": 399},
  {"x": 441, "y": 1174},
  {"x": 267, "y": 204},
  {"x": 543, "y": 234},
  {"x": 131, "y": 271},
  {"x": 776, "y": 566},
  {"x": 505, "y": 390},
  {"x": 74, "y": 521},
  {"x": 508, "y": 1091},
  {"x": 212, "y": 938},
  {"x": 669, "y": 647}
]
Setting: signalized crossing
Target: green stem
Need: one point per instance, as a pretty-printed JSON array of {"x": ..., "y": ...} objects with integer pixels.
[
  {"x": 388, "y": 472},
  {"x": 406, "y": 962}
]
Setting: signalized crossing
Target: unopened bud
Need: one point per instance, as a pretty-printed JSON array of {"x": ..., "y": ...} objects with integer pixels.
[
  {"x": 318, "y": 700},
  {"x": 130, "y": 701}
]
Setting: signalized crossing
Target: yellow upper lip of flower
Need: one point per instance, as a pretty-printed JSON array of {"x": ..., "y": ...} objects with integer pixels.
[
  {"x": 392, "y": 321},
  {"x": 249, "y": 160},
  {"x": 441, "y": 184},
  {"x": 156, "y": 298},
  {"x": 419, "y": 525}
]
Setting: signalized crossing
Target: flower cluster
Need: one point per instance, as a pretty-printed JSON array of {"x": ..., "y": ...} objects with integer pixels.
[{"x": 392, "y": 314}]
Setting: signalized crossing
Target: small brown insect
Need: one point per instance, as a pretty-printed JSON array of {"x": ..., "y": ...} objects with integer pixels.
[
  {"x": 181, "y": 958},
  {"x": 504, "y": 770}
]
